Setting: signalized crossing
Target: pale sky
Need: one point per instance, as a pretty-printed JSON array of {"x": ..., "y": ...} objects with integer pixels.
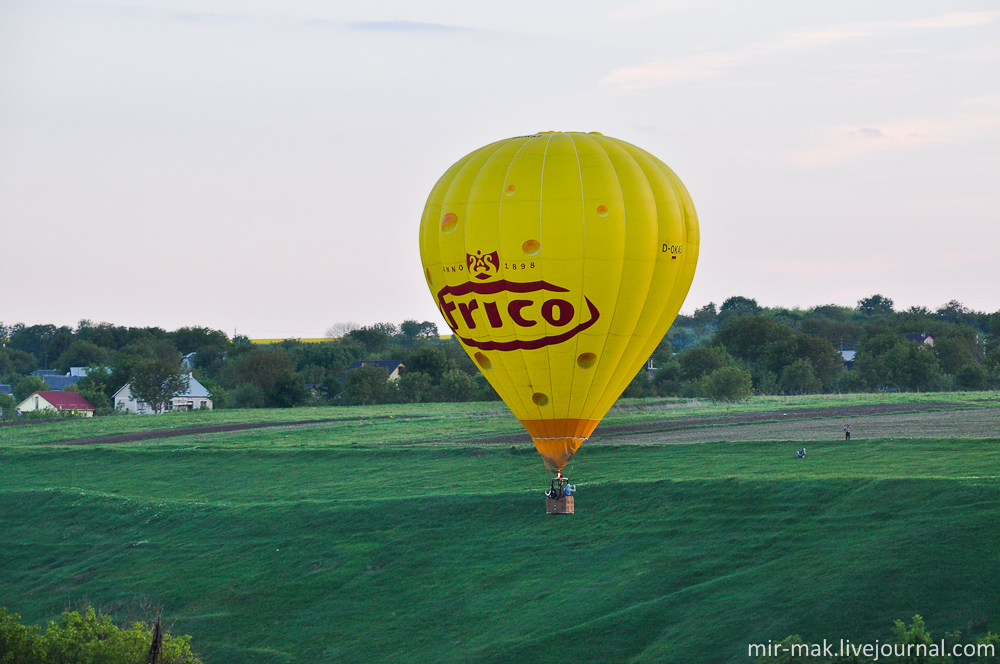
[{"x": 262, "y": 166}]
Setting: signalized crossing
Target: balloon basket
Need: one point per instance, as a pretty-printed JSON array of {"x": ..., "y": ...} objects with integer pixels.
[{"x": 562, "y": 505}]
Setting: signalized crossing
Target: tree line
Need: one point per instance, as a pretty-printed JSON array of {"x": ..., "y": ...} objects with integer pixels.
[
  {"x": 242, "y": 374},
  {"x": 725, "y": 353}
]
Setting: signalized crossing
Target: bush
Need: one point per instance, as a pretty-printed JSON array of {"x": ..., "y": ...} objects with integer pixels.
[
  {"x": 246, "y": 395},
  {"x": 728, "y": 384},
  {"x": 800, "y": 378},
  {"x": 971, "y": 377},
  {"x": 86, "y": 638}
]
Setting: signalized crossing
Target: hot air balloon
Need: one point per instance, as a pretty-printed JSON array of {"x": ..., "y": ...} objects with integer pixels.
[{"x": 559, "y": 261}]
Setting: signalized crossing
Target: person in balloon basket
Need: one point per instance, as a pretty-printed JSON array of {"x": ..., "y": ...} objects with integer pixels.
[
  {"x": 847, "y": 432},
  {"x": 560, "y": 488}
]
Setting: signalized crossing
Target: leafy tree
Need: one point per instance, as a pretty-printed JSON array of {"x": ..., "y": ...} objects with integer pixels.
[
  {"x": 826, "y": 363},
  {"x": 411, "y": 330},
  {"x": 34, "y": 339},
  {"x": 664, "y": 353},
  {"x": 246, "y": 395},
  {"x": 911, "y": 366},
  {"x": 667, "y": 380},
  {"x": 876, "y": 305},
  {"x": 374, "y": 339},
  {"x": 955, "y": 347},
  {"x": 133, "y": 354},
  {"x": 7, "y": 406},
  {"x": 210, "y": 346},
  {"x": 85, "y": 638},
  {"x": 800, "y": 378},
  {"x": 94, "y": 388},
  {"x": 698, "y": 362},
  {"x": 288, "y": 391},
  {"x": 971, "y": 377},
  {"x": 738, "y": 306},
  {"x": 429, "y": 360},
  {"x": 272, "y": 371},
  {"x": 456, "y": 385},
  {"x": 156, "y": 382},
  {"x": 367, "y": 385},
  {"x": 706, "y": 314},
  {"x": 748, "y": 337},
  {"x": 81, "y": 354},
  {"x": 415, "y": 387},
  {"x": 25, "y": 386},
  {"x": 18, "y": 361},
  {"x": 955, "y": 312},
  {"x": 728, "y": 384}
]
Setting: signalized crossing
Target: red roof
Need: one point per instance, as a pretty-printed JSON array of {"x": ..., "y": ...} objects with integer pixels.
[{"x": 66, "y": 400}]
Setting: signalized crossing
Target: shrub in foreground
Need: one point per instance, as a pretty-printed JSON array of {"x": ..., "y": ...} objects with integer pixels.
[{"x": 87, "y": 638}]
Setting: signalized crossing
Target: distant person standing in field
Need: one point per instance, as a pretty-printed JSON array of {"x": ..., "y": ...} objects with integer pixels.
[{"x": 847, "y": 432}]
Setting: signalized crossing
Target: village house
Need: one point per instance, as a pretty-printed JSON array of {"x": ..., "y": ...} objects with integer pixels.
[
  {"x": 918, "y": 337},
  {"x": 63, "y": 402},
  {"x": 392, "y": 366},
  {"x": 195, "y": 398}
]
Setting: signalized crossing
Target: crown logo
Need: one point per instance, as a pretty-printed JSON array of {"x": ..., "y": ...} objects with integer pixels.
[{"x": 483, "y": 265}]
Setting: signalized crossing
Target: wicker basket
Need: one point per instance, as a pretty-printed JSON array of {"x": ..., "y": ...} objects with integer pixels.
[{"x": 562, "y": 505}]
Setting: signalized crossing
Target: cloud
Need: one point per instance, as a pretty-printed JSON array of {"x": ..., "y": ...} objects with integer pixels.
[
  {"x": 656, "y": 74},
  {"x": 849, "y": 142},
  {"x": 713, "y": 65},
  {"x": 406, "y": 26}
]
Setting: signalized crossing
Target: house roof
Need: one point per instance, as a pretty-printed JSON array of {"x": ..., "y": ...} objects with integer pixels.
[
  {"x": 919, "y": 337},
  {"x": 6, "y": 389},
  {"x": 388, "y": 365},
  {"x": 65, "y": 400},
  {"x": 45, "y": 372},
  {"x": 194, "y": 390},
  {"x": 60, "y": 382}
]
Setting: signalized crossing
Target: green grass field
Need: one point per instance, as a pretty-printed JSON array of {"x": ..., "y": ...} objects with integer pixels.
[{"x": 400, "y": 539}]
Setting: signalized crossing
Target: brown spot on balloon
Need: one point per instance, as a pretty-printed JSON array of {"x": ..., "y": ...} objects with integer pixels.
[
  {"x": 531, "y": 247},
  {"x": 602, "y": 210},
  {"x": 540, "y": 399},
  {"x": 509, "y": 190},
  {"x": 449, "y": 222},
  {"x": 586, "y": 360},
  {"x": 483, "y": 361}
]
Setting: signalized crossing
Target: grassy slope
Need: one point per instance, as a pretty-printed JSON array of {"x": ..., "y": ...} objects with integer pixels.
[{"x": 273, "y": 546}]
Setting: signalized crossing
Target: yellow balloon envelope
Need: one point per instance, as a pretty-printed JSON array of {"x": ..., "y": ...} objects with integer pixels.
[{"x": 559, "y": 260}]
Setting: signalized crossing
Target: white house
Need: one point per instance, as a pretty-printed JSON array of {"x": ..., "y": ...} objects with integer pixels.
[
  {"x": 70, "y": 402},
  {"x": 196, "y": 397}
]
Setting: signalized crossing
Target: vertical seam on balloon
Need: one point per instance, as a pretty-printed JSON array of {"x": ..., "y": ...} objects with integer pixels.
[
  {"x": 583, "y": 270},
  {"x": 614, "y": 309},
  {"x": 541, "y": 267},
  {"x": 524, "y": 402}
]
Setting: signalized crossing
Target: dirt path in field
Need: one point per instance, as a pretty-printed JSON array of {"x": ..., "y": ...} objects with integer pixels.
[
  {"x": 920, "y": 420},
  {"x": 951, "y": 423},
  {"x": 159, "y": 434},
  {"x": 923, "y": 420}
]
